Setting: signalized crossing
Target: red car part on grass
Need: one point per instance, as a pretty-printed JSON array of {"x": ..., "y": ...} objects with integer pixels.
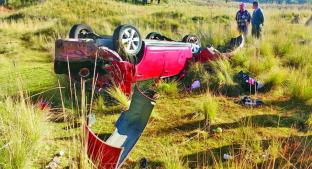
[
  {"x": 150, "y": 59},
  {"x": 159, "y": 59},
  {"x": 103, "y": 155}
]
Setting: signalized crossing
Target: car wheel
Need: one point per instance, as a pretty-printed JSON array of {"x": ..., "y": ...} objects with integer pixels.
[
  {"x": 80, "y": 31},
  {"x": 127, "y": 42},
  {"x": 194, "y": 40},
  {"x": 154, "y": 36}
]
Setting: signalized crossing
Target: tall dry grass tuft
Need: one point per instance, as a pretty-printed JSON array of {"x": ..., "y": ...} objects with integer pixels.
[
  {"x": 300, "y": 85},
  {"x": 77, "y": 146},
  {"x": 171, "y": 158},
  {"x": 222, "y": 78},
  {"x": 168, "y": 88},
  {"x": 196, "y": 72},
  {"x": 117, "y": 94},
  {"x": 209, "y": 109},
  {"x": 24, "y": 131}
]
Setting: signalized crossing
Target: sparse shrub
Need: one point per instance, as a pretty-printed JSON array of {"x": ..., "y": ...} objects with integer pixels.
[
  {"x": 274, "y": 148},
  {"x": 171, "y": 158},
  {"x": 309, "y": 122},
  {"x": 221, "y": 18},
  {"x": 222, "y": 78},
  {"x": 299, "y": 58},
  {"x": 198, "y": 18},
  {"x": 222, "y": 72},
  {"x": 196, "y": 72},
  {"x": 168, "y": 88},
  {"x": 261, "y": 64},
  {"x": 117, "y": 94},
  {"x": 276, "y": 78},
  {"x": 172, "y": 15},
  {"x": 240, "y": 61},
  {"x": 99, "y": 104},
  {"x": 23, "y": 130},
  {"x": 300, "y": 85},
  {"x": 209, "y": 109},
  {"x": 282, "y": 48},
  {"x": 266, "y": 49}
]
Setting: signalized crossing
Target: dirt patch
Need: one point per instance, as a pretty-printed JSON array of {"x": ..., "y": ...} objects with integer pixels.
[
  {"x": 296, "y": 19},
  {"x": 5, "y": 9},
  {"x": 309, "y": 22}
]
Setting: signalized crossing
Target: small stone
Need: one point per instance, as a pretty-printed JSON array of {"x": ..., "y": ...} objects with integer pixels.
[{"x": 219, "y": 130}]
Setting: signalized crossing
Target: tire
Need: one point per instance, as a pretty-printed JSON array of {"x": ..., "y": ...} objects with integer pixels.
[
  {"x": 127, "y": 42},
  {"x": 79, "y": 31},
  {"x": 154, "y": 36},
  {"x": 194, "y": 40}
]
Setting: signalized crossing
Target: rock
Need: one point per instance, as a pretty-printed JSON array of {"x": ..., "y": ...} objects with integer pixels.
[
  {"x": 309, "y": 22},
  {"x": 219, "y": 130},
  {"x": 227, "y": 157}
]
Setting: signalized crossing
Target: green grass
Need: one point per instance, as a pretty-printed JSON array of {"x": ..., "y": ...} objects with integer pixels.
[
  {"x": 174, "y": 137},
  {"x": 168, "y": 89}
]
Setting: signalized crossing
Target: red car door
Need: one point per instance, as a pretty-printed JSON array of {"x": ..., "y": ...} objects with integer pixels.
[
  {"x": 175, "y": 60},
  {"x": 162, "y": 59},
  {"x": 151, "y": 65}
]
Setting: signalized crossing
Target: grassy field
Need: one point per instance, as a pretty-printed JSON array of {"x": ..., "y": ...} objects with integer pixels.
[{"x": 277, "y": 135}]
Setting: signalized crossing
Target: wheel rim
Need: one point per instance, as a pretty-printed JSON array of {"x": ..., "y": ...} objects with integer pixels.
[
  {"x": 82, "y": 33},
  {"x": 195, "y": 48},
  {"x": 84, "y": 72},
  {"x": 130, "y": 40},
  {"x": 195, "y": 44}
]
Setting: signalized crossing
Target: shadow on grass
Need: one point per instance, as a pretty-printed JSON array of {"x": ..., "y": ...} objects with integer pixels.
[
  {"x": 68, "y": 138},
  {"x": 294, "y": 115},
  {"x": 296, "y": 150},
  {"x": 73, "y": 125},
  {"x": 293, "y": 105},
  {"x": 150, "y": 164},
  {"x": 266, "y": 120}
]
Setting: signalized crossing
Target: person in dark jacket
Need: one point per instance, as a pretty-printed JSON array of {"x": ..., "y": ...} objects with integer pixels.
[
  {"x": 243, "y": 19},
  {"x": 257, "y": 20}
]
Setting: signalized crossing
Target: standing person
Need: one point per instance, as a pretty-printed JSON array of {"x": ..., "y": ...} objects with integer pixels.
[
  {"x": 243, "y": 19},
  {"x": 257, "y": 20}
]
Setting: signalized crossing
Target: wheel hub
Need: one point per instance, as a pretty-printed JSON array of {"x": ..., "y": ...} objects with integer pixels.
[{"x": 130, "y": 40}]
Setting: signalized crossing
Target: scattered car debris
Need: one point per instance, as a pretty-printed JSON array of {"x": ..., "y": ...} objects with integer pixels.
[
  {"x": 195, "y": 85},
  {"x": 248, "y": 101},
  {"x": 43, "y": 104},
  {"x": 143, "y": 163},
  {"x": 113, "y": 152},
  {"x": 55, "y": 162},
  {"x": 124, "y": 58},
  {"x": 248, "y": 83},
  {"x": 91, "y": 119},
  {"x": 88, "y": 52},
  {"x": 227, "y": 157}
]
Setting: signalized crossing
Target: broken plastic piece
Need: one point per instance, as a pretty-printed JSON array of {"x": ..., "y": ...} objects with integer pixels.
[
  {"x": 248, "y": 101},
  {"x": 129, "y": 127},
  {"x": 227, "y": 157},
  {"x": 195, "y": 85}
]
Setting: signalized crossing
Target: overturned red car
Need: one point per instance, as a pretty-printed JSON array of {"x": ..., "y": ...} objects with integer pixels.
[{"x": 125, "y": 58}]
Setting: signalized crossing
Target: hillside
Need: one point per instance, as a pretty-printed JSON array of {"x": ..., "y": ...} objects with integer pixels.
[{"x": 276, "y": 135}]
